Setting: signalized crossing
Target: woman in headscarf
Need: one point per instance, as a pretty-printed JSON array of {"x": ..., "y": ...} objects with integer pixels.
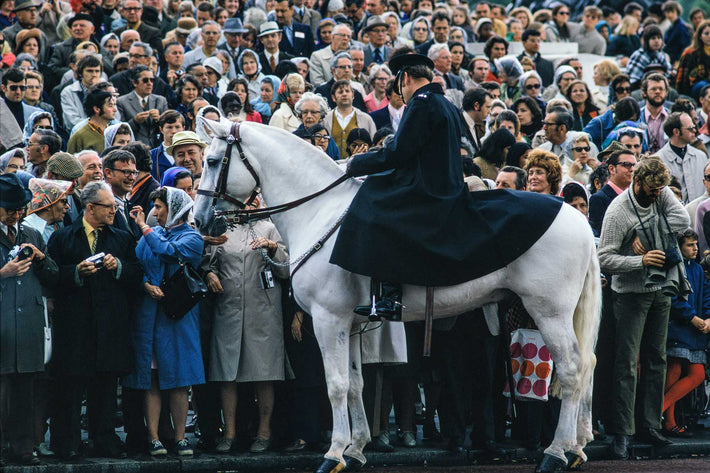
[
  {"x": 247, "y": 342},
  {"x": 290, "y": 92},
  {"x": 167, "y": 352},
  {"x": 509, "y": 73},
  {"x": 265, "y": 104},
  {"x": 209, "y": 112},
  {"x": 250, "y": 67},
  {"x": 48, "y": 206},
  {"x": 304, "y": 67},
  {"x": 420, "y": 31},
  {"x": 564, "y": 75},
  {"x": 119, "y": 134},
  {"x": 394, "y": 28},
  {"x": 13, "y": 161},
  {"x": 324, "y": 33},
  {"x": 531, "y": 86},
  {"x": 37, "y": 120}
]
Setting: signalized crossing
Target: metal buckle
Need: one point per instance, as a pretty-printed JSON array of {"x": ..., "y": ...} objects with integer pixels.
[
  {"x": 231, "y": 139},
  {"x": 317, "y": 246}
]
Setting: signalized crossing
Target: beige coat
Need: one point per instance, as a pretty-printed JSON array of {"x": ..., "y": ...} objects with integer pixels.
[
  {"x": 284, "y": 118},
  {"x": 247, "y": 339}
]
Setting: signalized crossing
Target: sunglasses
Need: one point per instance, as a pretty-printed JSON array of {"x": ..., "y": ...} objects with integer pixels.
[
  {"x": 145, "y": 80},
  {"x": 15, "y": 211},
  {"x": 15, "y": 88},
  {"x": 622, "y": 90},
  {"x": 707, "y": 177},
  {"x": 579, "y": 149},
  {"x": 626, "y": 164},
  {"x": 532, "y": 86}
]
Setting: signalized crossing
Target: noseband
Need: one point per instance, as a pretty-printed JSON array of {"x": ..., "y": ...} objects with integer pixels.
[{"x": 244, "y": 215}]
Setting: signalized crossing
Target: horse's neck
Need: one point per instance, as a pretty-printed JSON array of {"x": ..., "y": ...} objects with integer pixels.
[{"x": 290, "y": 170}]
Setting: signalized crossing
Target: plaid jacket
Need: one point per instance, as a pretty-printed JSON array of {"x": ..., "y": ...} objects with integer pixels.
[{"x": 640, "y": 59}]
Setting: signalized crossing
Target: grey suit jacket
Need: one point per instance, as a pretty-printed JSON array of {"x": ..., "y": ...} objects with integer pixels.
[
  {"x": 369, "y": 55},
  {"x": 310, "y": 17},
  {"x": 129, "y": 105}
]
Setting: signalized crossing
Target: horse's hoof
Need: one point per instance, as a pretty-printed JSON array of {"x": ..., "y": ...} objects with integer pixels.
[
  {"x": 574, "y": 461},
  {"x": 352, "y": 464},
  {"x": 550, "y": 464},
  {"x": 330, "y": 466}
]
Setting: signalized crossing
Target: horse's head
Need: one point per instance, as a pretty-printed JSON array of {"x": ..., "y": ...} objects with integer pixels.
[{"x": 225, "y": 181}]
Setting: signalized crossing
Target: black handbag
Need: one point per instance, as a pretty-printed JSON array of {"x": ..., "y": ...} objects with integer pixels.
[{"x": 183, "y": 290}]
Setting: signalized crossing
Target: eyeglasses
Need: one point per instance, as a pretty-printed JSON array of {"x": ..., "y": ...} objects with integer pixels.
[
  {"x": 622, "y": 90},
  {"x": 626, "y": 164},
  {"x": 145, "y": 80},
  {"x": 532, "y": 86},
  {"x": 106, "y": 206},
  {"x": 564, "y": 13},
  {"x": 40, "y": 127},
  {"x": 322, "y": 137},
  {"x": 344, "y": 67},
  {"x": 137, "y": 56},
  {"x": 22, "y": 166},
  {"x": 15, "y": 88},
  {"x": 579, "y": 149},
  {"x": 126, "y": 172},
  {"x": 544, "y": 124},
  {"x": 33, "y": 87},
  {"x": 691, "y": 128},
  {"x": 132, "y": 8},
  {"x": 420, "y": 29}
]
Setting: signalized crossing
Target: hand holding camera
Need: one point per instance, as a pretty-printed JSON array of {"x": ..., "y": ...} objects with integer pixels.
[{"x": 17, "y": 266}]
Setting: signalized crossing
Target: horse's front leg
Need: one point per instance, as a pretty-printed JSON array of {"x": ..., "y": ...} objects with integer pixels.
[
  {"x": 333, "y": 334},
  {"x": 360, "y": 430}
]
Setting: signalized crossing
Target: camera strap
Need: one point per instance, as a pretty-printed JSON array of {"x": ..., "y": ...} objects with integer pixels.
[{"x": 643, "y": 227}]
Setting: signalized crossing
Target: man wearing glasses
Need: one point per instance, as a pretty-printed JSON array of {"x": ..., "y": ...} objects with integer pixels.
[
  {"x": 22, "y": 321},
  {"x": 92, "y": 318},
  {"x": 143, "y": 106},
  {"x": 40, "y": 147},
  {"x": 13, "y": 88},
  {"x": 556, "y": 125},
  {"x": 100, "y": 107},
  {"x": 120, "y": 173},
  {"x": 686, "y": 163},
  {"x": 131, "y": 11},
  {"x": 320, "y": 60},
  {"x": 341, "y": 66}
]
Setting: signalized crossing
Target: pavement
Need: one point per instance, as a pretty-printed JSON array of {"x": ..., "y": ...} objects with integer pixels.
[{"x": 423, "y": 454}]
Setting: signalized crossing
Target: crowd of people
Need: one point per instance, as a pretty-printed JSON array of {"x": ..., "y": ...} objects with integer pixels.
[{"x": 103, "y": 135}]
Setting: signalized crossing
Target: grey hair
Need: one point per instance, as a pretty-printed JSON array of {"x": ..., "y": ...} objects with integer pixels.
[
  {"x": 435, "y": 51},
  {"x": 356, "y": 47},
  {"x": 26, "y": 57},
  {"x": 90, "y": 192},
  {"x": 311, "y": 97},
  {"x": 124, "y": 33},
  {"x": 340, "y": 26},
  {"x": 86, "y": 152},
  {"x": 377, "y": 68},
  {"x": 210, "y": 23},
  {"x": 334, "y": 61},
  {"x": 147, "y": 50}
]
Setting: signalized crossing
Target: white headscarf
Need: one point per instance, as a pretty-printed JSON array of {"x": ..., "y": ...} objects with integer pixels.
[{"x": 179, "y": 203}]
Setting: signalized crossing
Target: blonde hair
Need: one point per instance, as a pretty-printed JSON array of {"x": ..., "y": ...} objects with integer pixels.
[
  {"x": 525, "y": 10},
  {"x": 548, "y": 161},
  {"x": 653, "y": 172},
  {"x": 607, "y": 69},
  {"x": 629, "y": 26}
]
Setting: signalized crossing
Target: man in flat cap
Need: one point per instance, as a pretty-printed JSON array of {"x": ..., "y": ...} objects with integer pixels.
[
  {"x": 21, "y": 318},
  {"x": 377, "y": 238},
  {"x": 66, "y": 167}
]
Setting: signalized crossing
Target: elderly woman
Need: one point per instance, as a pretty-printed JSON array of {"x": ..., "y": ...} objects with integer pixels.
[
  {"x": 377, "y": 99},
  {"x": 247, "y": 342},
  {"x": 38, "y": 120},
  {"x": 577, "y": 163},
  {"x": 25, "y": 62},
  {"x": 564, "y": 75},
  {"x": 311, "y": 109},
  {"x": 544, "y": 172},
  {"x": 49, "y": 205},
  {"x": 13, "y": 161},
  {"x": 394, "y": 29},
  {"x": 167, "y": 351},
  {"x": 420, "y": 31},
  {"x": 265, "y": 104},
  {"x": 290, "y": 92},
  {"x": 28, "y": 41},
  {"x": 119, "y": 134},
  {"x": 604, "y": 71}
]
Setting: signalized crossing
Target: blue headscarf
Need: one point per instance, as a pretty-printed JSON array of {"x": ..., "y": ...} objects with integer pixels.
[
  {"x": 169, "y": 176},
  {"x": 30, "y": 123},
  {"x": 264, "y": 108}
]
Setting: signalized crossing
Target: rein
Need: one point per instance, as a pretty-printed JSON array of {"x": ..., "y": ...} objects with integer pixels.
[{"x": 243, "y": 215}]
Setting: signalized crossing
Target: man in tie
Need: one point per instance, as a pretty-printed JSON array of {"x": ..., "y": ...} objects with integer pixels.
[
  {"x": 270, "y": 37},
  {"x": 440, "y": 54},
  {"x": 143, "y": 106},
  {"x": 297, "y": 38},
  {"x": 22, "y": 321},
  {"x": 120, "y": 174},
  {"x": 376, "y": 51},
  {"x": 305, "y": 15},
  {"x": 233, "y": 31},
  {"x": 93, "y": 309},
  {"x": 476, "y": 107}
]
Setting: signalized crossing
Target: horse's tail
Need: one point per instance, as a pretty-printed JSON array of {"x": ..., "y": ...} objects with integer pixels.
[{"x": 587, "y": 316}]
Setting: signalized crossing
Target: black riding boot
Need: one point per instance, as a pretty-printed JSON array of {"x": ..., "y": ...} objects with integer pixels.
[{"x": 386, "y": 302}]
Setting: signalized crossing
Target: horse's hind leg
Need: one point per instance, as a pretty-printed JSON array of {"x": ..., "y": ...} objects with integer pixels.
[
  {"x": 561, "y": 341},
  {"x": 333, "y": 334},
  {"x": 360, "y": 430}
]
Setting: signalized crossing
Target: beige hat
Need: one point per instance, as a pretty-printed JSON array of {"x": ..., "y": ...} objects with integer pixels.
[
  {"x": 185, "y": 138},
  {"x": 186, "y": 25},
  {"x": 609, "y": 150},
  {"x": 269, "y": 27},
  {"x": 46, "y": 192}
]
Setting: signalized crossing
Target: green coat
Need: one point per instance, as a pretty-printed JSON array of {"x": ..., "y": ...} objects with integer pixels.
[{"x": 22, "y": 309}]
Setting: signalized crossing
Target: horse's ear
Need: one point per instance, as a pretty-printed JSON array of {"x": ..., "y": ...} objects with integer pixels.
[{"x": 219, "y": 129}]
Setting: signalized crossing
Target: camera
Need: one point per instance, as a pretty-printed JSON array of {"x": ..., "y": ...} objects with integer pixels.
[
  {"x": 97, "y": 259},
  {"x": 266, "y": 279},
  {"x": 179, "y": 73},
  {"x": 21, "y": 253}
]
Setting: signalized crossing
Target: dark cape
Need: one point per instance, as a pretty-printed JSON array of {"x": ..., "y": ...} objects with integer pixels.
[{"x": 417, "y": 223}]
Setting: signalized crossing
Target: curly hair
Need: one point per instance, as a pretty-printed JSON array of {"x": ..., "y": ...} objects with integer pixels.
[
  {"x": 548, "y": 161},
  {"x": 653, "y": 172}
]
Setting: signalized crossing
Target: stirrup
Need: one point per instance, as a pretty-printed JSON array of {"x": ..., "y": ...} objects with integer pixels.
[{"x": 369, "y": 311}]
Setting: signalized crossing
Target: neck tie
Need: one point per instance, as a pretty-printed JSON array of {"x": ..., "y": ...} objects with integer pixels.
[
  {"x": 378, "y": 56},
  {"x": 96, "y": 240},
  {"x": 145, "y": 103},
  {"x": 272, "y": 63},
  {"x": 11, "y": 234}
]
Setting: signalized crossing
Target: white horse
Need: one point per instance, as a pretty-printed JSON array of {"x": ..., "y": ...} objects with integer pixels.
[{"x": 557, "y": 279}]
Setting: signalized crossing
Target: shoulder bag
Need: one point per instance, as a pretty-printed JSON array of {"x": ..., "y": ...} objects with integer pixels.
[{"x": 183, "y": 290}]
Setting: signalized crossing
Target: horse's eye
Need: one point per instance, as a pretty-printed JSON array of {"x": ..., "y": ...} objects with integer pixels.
[{"x": 212, "y": 161}]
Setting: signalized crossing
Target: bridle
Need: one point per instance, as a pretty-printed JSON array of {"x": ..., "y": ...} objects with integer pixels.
[{"x": 244, "y": 214}]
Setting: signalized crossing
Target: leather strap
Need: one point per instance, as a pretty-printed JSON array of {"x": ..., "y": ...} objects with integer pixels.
[{"x": 317, "y": 246}]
